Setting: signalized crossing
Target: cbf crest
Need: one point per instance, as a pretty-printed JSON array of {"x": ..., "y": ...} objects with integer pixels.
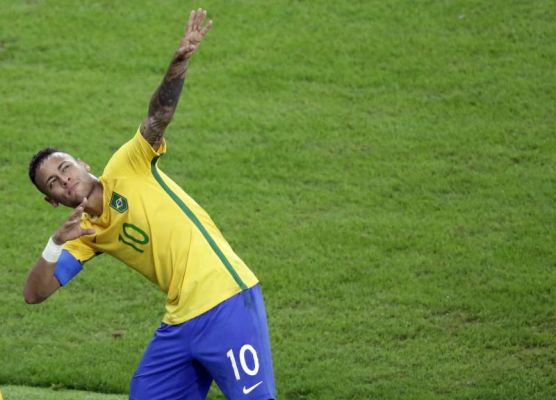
[{"x": 118, "y": 202}]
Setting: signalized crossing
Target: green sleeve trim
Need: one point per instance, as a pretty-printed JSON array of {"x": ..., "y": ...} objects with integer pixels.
[{"x": 197, "y": 223}]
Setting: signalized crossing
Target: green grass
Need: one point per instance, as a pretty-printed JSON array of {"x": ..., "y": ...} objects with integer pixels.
[
  {"x": 28, "y": 393},
  {"x": 385, "y": 168}
]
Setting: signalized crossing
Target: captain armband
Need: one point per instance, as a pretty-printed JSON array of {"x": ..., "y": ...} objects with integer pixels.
[{"x": 67, "y": 267}]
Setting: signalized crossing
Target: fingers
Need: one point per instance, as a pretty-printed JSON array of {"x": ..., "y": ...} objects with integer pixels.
[
  {"x": 189, "y": 27},
  {"x": 79, "y": 209},
  {"x": 71, "y": 228},
  {"x": 73, "y": 220},
  {"x": 83, "y": 203},
  {"x": 194, "y": 34},
  {"x": 195, "y": 22},
  {"x": 206, "y": 28},
  {"x": 199, "y": 18},
  {"x": 75, "y": 216}
]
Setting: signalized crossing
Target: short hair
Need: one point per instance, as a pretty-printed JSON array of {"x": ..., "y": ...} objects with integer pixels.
[{"x": 36, "y": 162}]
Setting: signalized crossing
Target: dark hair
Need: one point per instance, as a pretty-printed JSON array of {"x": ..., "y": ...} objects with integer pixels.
[{"x": 37, "y": 160}]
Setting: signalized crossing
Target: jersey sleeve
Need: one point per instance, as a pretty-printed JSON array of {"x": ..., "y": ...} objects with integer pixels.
[
  {"x": 79, "y": 250},
  {"x": 133, "y": 158}
]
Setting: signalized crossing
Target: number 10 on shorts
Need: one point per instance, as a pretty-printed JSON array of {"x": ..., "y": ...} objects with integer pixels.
[{"x": 245, "y": 368}]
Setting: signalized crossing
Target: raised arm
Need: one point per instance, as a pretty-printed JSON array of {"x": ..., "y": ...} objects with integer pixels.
[{"x": 165, "y": 99}]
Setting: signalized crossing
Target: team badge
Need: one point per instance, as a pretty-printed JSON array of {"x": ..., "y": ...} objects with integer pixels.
[{"x": 118, "y": 202}]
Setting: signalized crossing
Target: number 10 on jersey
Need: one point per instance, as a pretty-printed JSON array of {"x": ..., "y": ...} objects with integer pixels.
[{"x": 135, "y": 237}]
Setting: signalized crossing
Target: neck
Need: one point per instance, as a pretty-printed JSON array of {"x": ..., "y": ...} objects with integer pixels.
[{"x": 95, "y": 200}]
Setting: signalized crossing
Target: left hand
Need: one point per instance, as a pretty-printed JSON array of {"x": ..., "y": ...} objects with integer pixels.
[
  {"x": 71, "y": 228},
  {"x": 194, "y": 34}
]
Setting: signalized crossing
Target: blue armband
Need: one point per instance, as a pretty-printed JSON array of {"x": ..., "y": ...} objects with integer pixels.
[{"x": 67, "y": 267}]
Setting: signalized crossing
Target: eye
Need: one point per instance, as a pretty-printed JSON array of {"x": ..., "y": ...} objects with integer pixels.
[
  {"x": 51, "y": 182},
  {"x": 65, "y": 167}
]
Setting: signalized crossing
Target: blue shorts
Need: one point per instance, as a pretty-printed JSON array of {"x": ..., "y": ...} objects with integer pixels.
[{"x": 228, "y": 344}]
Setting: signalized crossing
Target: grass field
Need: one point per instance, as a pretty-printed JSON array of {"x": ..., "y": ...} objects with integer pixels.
[
  {"x": 387, "y": 169},
  {"x": 55, "y": 393}
]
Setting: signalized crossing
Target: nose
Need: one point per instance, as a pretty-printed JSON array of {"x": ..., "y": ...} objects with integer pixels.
[{"x": 65, "y": 180}]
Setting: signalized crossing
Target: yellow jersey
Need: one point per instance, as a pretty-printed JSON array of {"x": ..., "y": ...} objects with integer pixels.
[{"x": 149, "y": 223}]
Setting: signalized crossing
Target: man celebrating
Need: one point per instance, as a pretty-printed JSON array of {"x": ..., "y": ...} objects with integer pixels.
[{"x": 215, "y": 324}]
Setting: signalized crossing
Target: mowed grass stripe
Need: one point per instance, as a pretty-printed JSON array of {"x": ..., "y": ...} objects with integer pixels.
[{"x": 30, "y": 393}]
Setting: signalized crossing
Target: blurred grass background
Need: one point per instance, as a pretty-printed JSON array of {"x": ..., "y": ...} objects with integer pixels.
[{"x": 385, "y": 168}]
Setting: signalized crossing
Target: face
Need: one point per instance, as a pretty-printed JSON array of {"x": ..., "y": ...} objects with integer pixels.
[{"x": 64, "y": 180}]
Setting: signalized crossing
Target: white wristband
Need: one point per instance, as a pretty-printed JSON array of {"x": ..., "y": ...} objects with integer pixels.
[{"x": 52, "y": 251}]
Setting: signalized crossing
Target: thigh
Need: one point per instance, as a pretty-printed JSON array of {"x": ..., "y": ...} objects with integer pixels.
[
  {"x": 234, "y": 347},
  {"x": 167, "y": 370}
]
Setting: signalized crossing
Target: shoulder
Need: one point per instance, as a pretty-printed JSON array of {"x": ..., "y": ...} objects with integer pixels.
[{"x": 133, "y": 158}]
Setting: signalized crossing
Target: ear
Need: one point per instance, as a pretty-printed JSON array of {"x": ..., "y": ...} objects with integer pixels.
[
  {"x": 84, "y": 164},
  {"x": 52, "y": 202}
]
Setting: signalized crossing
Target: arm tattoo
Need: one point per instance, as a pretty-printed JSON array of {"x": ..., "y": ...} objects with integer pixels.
[{"x": 163, "y": 103}]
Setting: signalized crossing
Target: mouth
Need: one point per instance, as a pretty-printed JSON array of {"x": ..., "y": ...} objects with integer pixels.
[{"x": 71, "y": 189}]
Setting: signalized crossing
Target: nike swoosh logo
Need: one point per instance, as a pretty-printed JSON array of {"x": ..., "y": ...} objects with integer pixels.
[{"x": 250, "y": 389}]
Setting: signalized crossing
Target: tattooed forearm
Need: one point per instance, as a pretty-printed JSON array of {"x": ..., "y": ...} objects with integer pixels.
[
  {"x": 164, "y": 102},
  {"x": 165, "y": 99}
]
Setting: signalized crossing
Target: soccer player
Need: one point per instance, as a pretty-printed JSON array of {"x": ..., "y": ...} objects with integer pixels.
[{"x": 215, "y": 324}]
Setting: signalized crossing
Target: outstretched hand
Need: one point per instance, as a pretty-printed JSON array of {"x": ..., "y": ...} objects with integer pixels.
[
  {"x": 194, "y": 33},
  {"x": 71, "y": 228}
]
